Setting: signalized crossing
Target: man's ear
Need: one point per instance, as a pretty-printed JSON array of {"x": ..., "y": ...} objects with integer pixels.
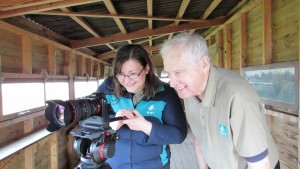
[{"x": 205, "y": 63}]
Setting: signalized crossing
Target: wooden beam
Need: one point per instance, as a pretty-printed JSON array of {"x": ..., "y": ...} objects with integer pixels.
[
  {"x": 29, "y": 152},
  {"x": 89, "y": 67},
  {"x": 228, "y": 46},
  {"x": 146, "y": 32},
  {"x": 118, "y": 21},
  {"x": 26, "y": 55},
  {"x": 208, "y": 11},
  {"x": 180, "y": 13},
  {"x": 67, "y": 67},
  {"x": 43, "y": 7},
  {"x": 86, "y": 26},
  {"x": 80, "y": 65},
  {"x": 1, "y": 82},
  {"x": 150, "y": 14},
  {"x": 220, "y": 48},
  {"x": 51, "y": 60},
  {"x": 15, "y": 4},
  {"x": 243, "y": 40},
  {"x": 115, "y": 16},
  {"x": 267, "y": 32},
  {"x": 54, "y": 150}
]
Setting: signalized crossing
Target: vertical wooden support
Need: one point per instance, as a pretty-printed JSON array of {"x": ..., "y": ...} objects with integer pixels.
[
  {"x": 228, "y": 46},
  {"x": 51, "y": 60},
  {"x": 54, "y": 150},
  {"x": 80, "y": 65},
  {"x": 26, "y": 55},
  {"x": 67, "y": 68},
  {"x": 101, "y": 70},
  {"x": 1, "y": 82},
  {"x": 220, "y": 48},
  {"x": 243, "y": 56},
  {"x": 96, "y": 69},
  {"x": 29, "y": 151},
  {"x": 89, "y": 66},
  {"x": 298, "y": 83},
  {"x": 267, "y": 32}
]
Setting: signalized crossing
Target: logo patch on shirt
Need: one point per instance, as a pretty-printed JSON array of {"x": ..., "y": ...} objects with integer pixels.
[
  {"x": 223, "y": 130},
  {"x": 150, "y": 109}
]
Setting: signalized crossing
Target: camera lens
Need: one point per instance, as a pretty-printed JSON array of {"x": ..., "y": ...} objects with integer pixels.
[{"x": 60, "y": 112}]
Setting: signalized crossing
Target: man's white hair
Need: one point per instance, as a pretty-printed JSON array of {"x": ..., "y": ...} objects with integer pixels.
[{"x": 194, "y": 45}]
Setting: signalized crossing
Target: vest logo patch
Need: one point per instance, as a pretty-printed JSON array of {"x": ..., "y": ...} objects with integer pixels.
[
  {"x": 223, "y": 130},
  {"x": 150, "y": 109}
]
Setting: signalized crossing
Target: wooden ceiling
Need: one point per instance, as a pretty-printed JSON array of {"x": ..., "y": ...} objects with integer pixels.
[{"x": 100, "y": 27}]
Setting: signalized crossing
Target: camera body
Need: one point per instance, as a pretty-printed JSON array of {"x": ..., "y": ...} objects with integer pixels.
[{"x": 94, "y": 141}]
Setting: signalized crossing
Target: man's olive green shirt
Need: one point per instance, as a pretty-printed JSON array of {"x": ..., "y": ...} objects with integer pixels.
[{"x": 230, "y": 122}]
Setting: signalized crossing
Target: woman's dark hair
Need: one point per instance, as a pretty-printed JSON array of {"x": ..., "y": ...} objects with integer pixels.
[{"x": 138, "y": 53}]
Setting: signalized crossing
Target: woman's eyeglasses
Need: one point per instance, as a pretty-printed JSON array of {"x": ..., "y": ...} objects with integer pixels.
[{"x": 122, "y": 77}]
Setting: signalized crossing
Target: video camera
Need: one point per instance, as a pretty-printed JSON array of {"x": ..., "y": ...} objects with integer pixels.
[{"x": 95, "y": 141}]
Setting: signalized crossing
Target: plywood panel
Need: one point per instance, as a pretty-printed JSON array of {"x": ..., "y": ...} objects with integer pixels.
[
  {"x": 11, "y": 52},
  {"x": 285, "y": 23},
  {"x": 235, "y": 45},
  {"x": 254, "y": 36},
  {"x": 39, "y": 56},
  {"x": 285, "y": 134}
]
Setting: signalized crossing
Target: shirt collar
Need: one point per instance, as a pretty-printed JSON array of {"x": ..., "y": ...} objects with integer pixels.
[{"x": 211, "y": 88}]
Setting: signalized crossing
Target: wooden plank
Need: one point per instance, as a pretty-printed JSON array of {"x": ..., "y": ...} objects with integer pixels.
[
  {"x": 22, "y": 32},
  {"x": 220, "y": 48},
  {"x": 80, "y": 65},
  {"x": 29, "y": 157},
  {"x": 267, "y": 32},
  {"x": 54, "y": 150},
  {"x": 51, "y": 60},
  {"x": 243, "y": 45},
  {"x": 67, "y": 68},
  {"x": 89, "y": 67},
  {"x": 145, "y": 33},
  {"x": 26, "y": 55},
  {"x": 228, "y": 46},
  {"x": 43, "y": 7}
]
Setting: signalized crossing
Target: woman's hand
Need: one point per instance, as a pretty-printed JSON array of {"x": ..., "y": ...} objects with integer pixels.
[
  {"x": 121, "y": 113},
  {"x": 135, "y": 121}
]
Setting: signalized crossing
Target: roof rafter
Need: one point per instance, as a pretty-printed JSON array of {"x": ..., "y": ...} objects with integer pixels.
[
  {"x": 208, "y": 11},
  {"x": 113, "y": 10},
  {"x": 116, "y": 16},
  {"x": 146, "y": 32},
  {"x": 86, "y": 26},
  {"x": 9, "y": 4},
  {"x": 43, "y": 7},
  {"x": 180, "y": 13}
]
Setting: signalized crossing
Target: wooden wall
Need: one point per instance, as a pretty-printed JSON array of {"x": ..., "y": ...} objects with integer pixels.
[
  {"x": 24, "y": 55},
  {"x": 264, "y": 32}
]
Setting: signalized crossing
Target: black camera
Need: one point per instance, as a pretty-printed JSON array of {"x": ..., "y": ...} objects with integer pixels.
[{"x": 95, "y": 140}]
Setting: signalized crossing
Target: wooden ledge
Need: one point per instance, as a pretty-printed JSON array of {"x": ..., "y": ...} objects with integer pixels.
[{"x": 22, "y": 143}]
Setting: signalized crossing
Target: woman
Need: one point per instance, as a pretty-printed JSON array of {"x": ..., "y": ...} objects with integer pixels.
[{"x": 153, "y": 111}]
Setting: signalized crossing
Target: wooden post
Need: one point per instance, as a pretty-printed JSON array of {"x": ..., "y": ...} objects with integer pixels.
[
  {"x": 220, "y": 48},
  {"x": 29, "y": 152},
  {"x": 51, "y": 60},
  {"x": 80, "y": 65},
  {"x": 228, "y": 46},
  {"x": 26, "y": 55},
  {"x": 243, "y": 55},
  {"x": 267, "y": 32}
]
